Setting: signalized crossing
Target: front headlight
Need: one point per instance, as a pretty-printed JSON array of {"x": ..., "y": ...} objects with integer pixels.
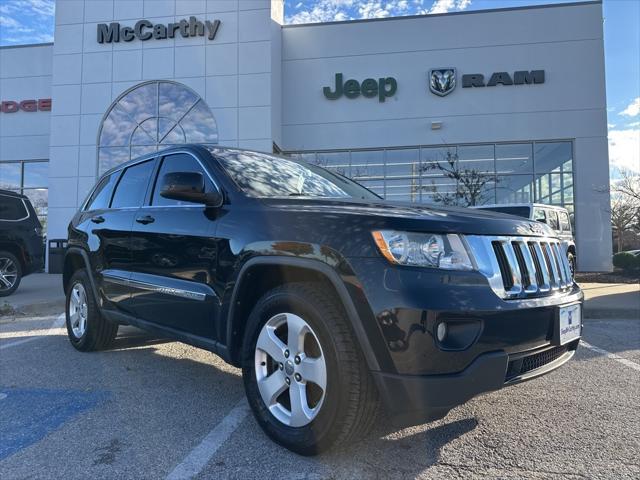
[{"x": 423, "y": 249}]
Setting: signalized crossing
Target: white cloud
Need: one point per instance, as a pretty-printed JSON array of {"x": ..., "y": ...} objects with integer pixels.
[
  {"x": 373, "y": 9},
  {"x": 624, "y": 149},
  {"x": 339, "y": 10},
  {"x": 444, "y": 6},
  {"x": 26, "y": 21},
  {"x": 633, "y": 109},
  {"x": 9, "y": 22},
  {"x": 323, "y": 11}
]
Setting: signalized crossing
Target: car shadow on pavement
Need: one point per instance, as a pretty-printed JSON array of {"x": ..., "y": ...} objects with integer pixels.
[{"x": 391, "y": 453}]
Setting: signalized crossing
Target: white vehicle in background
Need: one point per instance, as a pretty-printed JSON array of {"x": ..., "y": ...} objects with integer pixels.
[{"x": 555, "y": 217}]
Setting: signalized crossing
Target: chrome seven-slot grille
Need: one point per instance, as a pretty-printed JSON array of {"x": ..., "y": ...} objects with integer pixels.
[{"x": 520, "y": 267}]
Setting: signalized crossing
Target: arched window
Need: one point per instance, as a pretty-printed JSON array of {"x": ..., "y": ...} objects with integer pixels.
[{"x": 152, "y": 116}]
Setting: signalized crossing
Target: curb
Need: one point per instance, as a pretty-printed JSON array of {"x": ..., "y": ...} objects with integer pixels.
[{"x": 35, "y": 309}]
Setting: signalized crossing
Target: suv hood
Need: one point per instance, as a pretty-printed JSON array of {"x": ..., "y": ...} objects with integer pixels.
[{"x": 416, "y": 217}]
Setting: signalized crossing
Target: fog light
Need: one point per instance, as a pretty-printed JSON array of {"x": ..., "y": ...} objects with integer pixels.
[{"x": 441, "y": 331}]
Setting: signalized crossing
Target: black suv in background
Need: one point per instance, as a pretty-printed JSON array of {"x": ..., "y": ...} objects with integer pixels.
[
  {"x": 330, "y": 299},
  {"x": 21, "y": 241}
]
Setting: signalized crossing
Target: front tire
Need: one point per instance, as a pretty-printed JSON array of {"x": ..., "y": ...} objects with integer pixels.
[
  {"x": 87, "y": 329},
  {"x": 304, "y": 376},
  {"x": 10, "y": 273}
]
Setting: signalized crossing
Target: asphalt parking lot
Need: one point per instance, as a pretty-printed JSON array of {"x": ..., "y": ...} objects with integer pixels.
[{"x": 151, "y": 408}]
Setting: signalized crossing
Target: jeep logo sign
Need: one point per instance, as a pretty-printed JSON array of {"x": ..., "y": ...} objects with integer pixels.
[
  {"x": 41, "y": 105},
  {"x": 520, "y": 77},
  {"x": 370, "y": 88},
  {"x": 145, "y": 30}
]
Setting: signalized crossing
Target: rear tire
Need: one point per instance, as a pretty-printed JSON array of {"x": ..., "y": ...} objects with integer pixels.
[
  {"x": 88, "y": 330},
  {"x": 345, "y": 409},
  {"x": 10, "y": 273}
]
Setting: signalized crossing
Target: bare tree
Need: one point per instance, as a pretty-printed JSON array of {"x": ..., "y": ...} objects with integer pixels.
[
  {"x": 627, "y": 185},
  {"x": 625, "y": 213},
  {"x": 470, "y": 184}
]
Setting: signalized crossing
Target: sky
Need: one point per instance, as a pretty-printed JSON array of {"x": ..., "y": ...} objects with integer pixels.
[{"x": 32, "y": 21}]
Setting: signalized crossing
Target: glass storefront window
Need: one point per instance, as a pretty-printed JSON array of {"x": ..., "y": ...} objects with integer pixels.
[
  {"x": 550, "y": 189},
  {"x": 553, "y": 157},
  {"x": 36, "y": 175},
  {"x": 432, "y": 159},
  {"x": 367, "y": 165},
  {"x": 150, "y": 116},
  {"x": 30, "y": 178},
  {"x": 439, "y": 190},
  {"x": 567, "y": 188},
  {"x": 10, "y": 175},
  {"x": 514, "y": 189},
  {"x": 514, "y": 158},
  {"x": 335, "y": 161},
  {"x": 376, "y": 186},
  {"x": 404, "y": 190},
  {"x": 475, "y": 158},
  {"x": 109, "y": 157},
  {"x": 462, "y": 175},
  {"x": 403, "y": 163}
]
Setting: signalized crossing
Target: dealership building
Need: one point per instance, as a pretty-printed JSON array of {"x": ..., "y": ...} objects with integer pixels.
[{"x": 512, "y": 101}]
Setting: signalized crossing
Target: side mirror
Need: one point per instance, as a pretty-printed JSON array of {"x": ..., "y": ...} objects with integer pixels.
[{"x": 188, "y": 187}]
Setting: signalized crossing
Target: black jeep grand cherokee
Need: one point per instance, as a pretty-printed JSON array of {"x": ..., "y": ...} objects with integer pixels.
[{"x": 329, "y": 298}]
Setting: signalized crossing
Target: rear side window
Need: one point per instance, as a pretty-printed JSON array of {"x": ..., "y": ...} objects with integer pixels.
[
  {"x": 552, "y": 219},
  {"x": 564, "y": 221},
  {"x": 180, "y": 162},
  {"x": 102, "y": 194},
  {"x": 12, "y": 208},
  {"x": 539, "y": 215},
  {"x": 132, "y": 186}
]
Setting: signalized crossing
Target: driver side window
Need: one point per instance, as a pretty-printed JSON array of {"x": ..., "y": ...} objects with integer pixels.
[{"x": 179, "y": 162}]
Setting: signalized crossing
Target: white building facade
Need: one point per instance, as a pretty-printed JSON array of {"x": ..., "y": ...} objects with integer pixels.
[{"x": 512, "y": 99}]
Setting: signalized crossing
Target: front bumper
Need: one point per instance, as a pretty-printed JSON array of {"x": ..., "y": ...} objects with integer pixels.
[
  {"x": 415, "y": 399},
  {"x": 491, "y": 342}
]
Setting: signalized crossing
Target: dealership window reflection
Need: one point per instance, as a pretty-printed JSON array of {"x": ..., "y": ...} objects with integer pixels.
[
  {"x": 462, "y": 175},
  {"x": 152, "y": 116},
  {"x": 30, "y": 178}
]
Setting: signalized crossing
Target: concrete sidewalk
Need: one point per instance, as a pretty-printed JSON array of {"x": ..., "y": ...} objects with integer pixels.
[
  {"x": 612, "y": 300},
  {"x": 38, "y": 294}
]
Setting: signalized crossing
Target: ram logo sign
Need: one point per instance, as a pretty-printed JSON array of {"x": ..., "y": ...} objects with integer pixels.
[
  {"x": 520, "y": 77},
  {"x": 442, "y": 81}
]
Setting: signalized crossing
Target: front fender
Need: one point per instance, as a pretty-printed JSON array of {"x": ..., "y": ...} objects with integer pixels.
[
  {"x": 341, "y": 278},
  {"x": 72, "y": 257}
]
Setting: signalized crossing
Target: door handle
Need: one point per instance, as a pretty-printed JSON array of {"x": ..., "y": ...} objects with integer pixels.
[
  {"x": 98, "y": 219},
  {"x": 145, "y": 220}
]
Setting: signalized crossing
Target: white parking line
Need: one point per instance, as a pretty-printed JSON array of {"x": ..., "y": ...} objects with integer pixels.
[
  {"x": 202, "y": 453},
  {"x": 59, "y": 322},
  {"x": 610, "y": 355}
]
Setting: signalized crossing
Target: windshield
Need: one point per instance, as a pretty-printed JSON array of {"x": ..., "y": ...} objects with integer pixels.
[{"x": 262, "y": 175}]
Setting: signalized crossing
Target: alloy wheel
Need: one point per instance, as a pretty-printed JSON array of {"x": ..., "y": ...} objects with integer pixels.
[
  {"x": 8, "y": 273},
  {"x": 290, "y": 369},
  {"x": 78, "y": 310}
]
